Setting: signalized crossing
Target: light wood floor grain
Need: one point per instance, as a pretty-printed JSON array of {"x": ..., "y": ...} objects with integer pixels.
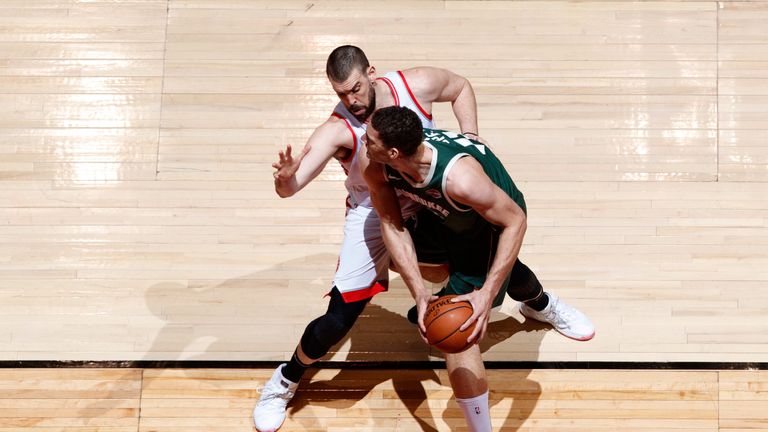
[
  {"x": 138, "y": 220},
  {"x": 156, "y": 400}
]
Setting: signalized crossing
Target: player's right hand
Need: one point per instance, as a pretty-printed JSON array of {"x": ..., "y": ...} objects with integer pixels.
[{"x": 287, "y": 165}]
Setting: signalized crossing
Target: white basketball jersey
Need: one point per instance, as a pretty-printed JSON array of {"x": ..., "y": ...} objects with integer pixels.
[{"x": 403, "y": 96}]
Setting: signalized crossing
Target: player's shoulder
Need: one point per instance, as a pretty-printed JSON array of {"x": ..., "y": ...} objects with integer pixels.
[
  {"x": 415, "y": 76},
  {"x": 335, "y": 131},
  {"x": 419, "y": 71},
  {"x": 462, "y": 180},
  {"x": 426, "y": 75},
  {"x": 335, "y": 121},
  {"x": 465, "y": 171}
]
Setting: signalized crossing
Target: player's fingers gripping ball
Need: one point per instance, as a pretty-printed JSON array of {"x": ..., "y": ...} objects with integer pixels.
[{"x": 443, "y": 320}]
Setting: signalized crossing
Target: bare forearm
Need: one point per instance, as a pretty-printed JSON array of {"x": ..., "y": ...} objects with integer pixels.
[
  {"x": 510, "y": 242},
  {"x": 403, "y": 253},
  {"x": 465, "y": 109}
]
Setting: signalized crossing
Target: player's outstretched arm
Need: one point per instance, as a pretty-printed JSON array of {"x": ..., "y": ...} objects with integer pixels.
[
  {"x": 294, "y": 171},
  {"x": 468, "y": 184}
]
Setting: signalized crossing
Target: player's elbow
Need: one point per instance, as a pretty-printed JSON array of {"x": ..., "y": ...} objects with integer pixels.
[
  {"x": 466, "y": 86},
  {"x": 519, "y": 223}
]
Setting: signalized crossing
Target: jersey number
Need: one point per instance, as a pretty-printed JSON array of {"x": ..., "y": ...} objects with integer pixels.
[{"x": 465, "y": 142}]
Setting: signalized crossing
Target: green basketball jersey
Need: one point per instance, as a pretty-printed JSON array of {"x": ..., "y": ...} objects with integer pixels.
[{"x": 447, "y": 148}]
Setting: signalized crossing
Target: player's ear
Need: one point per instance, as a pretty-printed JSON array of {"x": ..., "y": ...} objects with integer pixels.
[
  {"x": 371, "y": 73},
  {"x": 394, "y": 153}
]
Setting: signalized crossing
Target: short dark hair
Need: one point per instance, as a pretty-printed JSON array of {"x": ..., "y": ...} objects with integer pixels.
[
  {"x": 398, "y": 127},
  {"x": 343, "y": 60}
]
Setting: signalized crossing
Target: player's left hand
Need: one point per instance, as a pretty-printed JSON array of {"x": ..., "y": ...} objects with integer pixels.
[{"x": 481, "y": 301}]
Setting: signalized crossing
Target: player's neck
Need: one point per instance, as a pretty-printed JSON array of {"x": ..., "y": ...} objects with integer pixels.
[{"x": 417, "y": 166}]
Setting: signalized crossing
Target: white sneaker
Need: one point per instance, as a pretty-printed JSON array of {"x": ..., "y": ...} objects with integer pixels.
[
  {"x": 269, "y": 413},
  {"x": 564, "y": 318}
]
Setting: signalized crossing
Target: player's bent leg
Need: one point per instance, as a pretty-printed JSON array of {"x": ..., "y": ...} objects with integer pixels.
[
  {"x": 525, "y": 287},
  {"x": 326, "y": 331},
  {"x": 320, "y": 335},
  {"x": 470, "y": 386}
]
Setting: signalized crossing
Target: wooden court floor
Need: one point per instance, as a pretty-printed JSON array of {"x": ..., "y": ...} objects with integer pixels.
[
  {"x": 138, "y": 220},
  {"x": 175, "y": 400}
]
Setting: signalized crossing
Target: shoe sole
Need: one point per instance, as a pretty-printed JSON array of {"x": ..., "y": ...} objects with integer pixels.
[{"x": 580, "y": 339}]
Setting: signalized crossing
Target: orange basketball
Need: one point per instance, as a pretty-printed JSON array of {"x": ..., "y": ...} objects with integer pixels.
[{"x": 443, "y": 320}]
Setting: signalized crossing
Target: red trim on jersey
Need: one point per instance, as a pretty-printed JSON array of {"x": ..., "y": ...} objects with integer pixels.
[
  {"x": 415, "y": 101},
  {"x": 354, "y": 138},
  {"x": 364, "y": 293},
  {"x": 392, "y": 90}
]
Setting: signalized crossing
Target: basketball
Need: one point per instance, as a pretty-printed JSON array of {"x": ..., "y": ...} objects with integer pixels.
[{"x": 443, "y": 320}]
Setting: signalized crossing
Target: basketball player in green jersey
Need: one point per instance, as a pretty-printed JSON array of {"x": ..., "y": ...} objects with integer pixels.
[{"x": 473, "y": 218}]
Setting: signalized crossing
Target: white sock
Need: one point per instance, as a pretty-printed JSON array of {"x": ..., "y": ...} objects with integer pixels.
[{"x": 476, "y": 412}]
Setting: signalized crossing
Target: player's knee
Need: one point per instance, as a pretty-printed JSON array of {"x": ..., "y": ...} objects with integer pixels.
[
  {"x": 323, "y": 333},
  {"x": 434, "y": 273}
]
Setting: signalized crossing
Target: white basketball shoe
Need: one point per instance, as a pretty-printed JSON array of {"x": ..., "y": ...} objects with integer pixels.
[
  {"x": 565, "y": 318},
  {"x": 269, "y": 413}
]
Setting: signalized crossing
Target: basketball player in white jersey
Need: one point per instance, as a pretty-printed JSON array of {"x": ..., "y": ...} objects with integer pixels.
[{"x": 363, "y": 260}]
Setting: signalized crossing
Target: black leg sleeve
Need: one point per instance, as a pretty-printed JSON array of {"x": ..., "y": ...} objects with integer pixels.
[
  {"x": 327, "y": 330},
  {"x": 523, "y": 284}
]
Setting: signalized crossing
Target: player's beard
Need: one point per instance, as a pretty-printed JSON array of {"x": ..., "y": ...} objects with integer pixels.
[{"x": 370, "y": 108}]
